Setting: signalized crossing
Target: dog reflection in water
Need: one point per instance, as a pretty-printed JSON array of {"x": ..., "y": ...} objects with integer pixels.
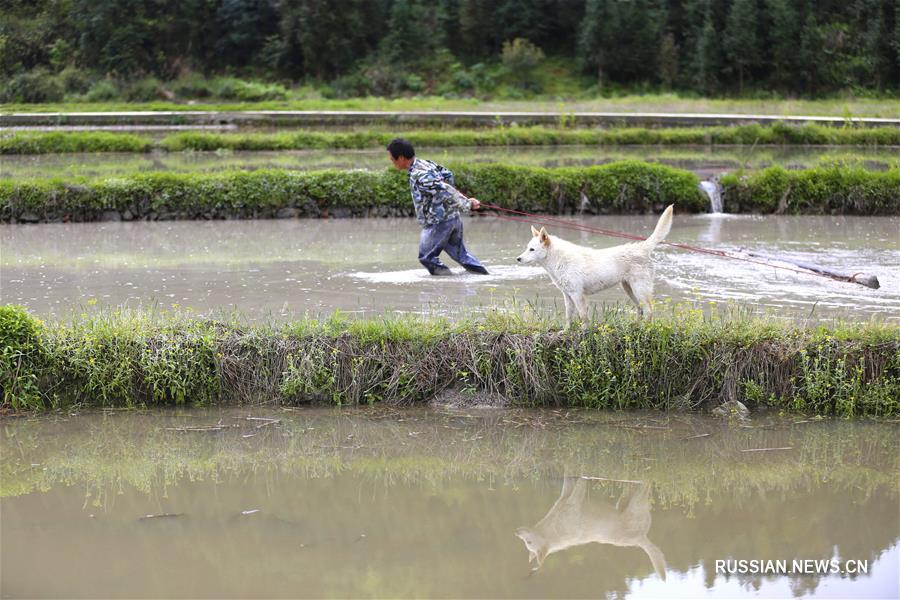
[{"x": 575, "y": 520}]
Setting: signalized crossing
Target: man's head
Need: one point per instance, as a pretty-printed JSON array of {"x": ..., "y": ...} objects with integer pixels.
[{"x": 401, "y": 153}]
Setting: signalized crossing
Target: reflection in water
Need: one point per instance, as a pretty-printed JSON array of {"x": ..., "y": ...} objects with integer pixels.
[
  {"x": 713, "y": 232},
  {"x": 422, "y": 503},
  {"x": 573, "y": 520}
]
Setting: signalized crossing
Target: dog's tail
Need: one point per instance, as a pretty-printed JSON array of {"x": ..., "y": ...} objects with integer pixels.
[
  {"x": 657, "y": 558},
  {"x": 662, "y": 228}
]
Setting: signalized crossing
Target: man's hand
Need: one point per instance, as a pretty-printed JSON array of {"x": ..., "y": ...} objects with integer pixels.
[{"x": 474, "y": 203}]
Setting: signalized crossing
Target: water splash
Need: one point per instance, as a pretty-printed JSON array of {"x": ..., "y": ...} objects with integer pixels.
[{"x": 497, "y": 273}]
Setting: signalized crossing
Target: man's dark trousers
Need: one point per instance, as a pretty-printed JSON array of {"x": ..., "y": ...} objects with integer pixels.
[{"x": 446, "y": 236}]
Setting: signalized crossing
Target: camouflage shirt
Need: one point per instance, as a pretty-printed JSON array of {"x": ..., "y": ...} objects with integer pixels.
[{"x": 433, "y": 194}]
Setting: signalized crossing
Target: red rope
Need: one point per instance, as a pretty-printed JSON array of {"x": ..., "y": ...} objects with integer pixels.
[{"x": 566, "y": 223}]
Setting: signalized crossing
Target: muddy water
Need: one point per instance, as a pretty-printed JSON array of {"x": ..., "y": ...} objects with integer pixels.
[
  {"x": 288, "y": 268},
  {"x": 268, "y": 502},
  {"x": 705, "y": 160}
]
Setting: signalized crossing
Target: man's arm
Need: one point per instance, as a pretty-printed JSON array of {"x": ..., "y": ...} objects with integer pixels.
[
  {"x": 469, "y": 203},
  {"x": 440, "y": 189},
  {"x": 418, "y": 202}
]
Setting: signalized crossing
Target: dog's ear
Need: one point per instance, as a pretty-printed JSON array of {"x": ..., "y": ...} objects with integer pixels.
[
  {"x": 545, "y": 237},
  {"x": 534, "y": 231}
]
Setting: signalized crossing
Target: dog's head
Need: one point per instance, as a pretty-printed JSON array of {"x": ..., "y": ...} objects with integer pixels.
[
  {"x": 537, "y": 548},
  {"x": 537, "y": 248}
]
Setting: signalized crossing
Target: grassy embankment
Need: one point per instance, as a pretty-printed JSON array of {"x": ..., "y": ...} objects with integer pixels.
[
  {"x": 844, "y": 107},
  {"x": 693, "y": 158},
  {"x": 749, "y": 135},
  {"x": 680, "y": 360},
  {"x": 624, "y": 187}
]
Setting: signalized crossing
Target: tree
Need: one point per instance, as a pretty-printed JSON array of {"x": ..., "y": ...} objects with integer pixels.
[
  {"x": 133, "y": 38},
  {"x": 117, "y": 36},
  {"x": 875, "y": 60},
  {"x": 28, "y": 32},
  {"x": 808, "y": 46},
  {"x": 621, "y": 40},
  {"x": 668, "y": 61},
  {"x": 810, "y": 49},
  {"x": 783, "y": 34},
  {"x": 243, "y": 27},
  {"x": 414, "y": 32},
  {"x": 596, "y": 37},
  {"x": 325, "y": 38},
  {"x": 896, "y": 36},
  {"x": 529, "y": 19},
  {"x": 637, "y": 40},
  {"x": 520, "y": 57},
  {"x": 475, "y": 31},
  {"x": 741, "y": 42},
  {"x": 707, "y": 55}
]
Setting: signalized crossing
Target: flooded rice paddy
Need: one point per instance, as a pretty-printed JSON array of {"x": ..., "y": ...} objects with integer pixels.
[
  {"x": 705, "y": 160},
  {"x": 286, "y": 268},
  {"x": 441, "y": 502}
]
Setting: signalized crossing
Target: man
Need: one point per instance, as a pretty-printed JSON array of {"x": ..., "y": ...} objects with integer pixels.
[{"x": 438, "y": 204}]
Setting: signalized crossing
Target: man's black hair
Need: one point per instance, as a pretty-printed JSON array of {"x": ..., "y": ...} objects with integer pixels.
[{"x": 400, "y": 147}]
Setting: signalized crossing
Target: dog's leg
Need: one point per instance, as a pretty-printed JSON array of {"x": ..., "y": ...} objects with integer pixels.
[
  {"x": 567, "y": 488},
  {"x": 627, "y": 287},
  {"x": 581, "y": 307},
  {"x": 569, "y": 307},
  {"x": 643, "y": 294}
]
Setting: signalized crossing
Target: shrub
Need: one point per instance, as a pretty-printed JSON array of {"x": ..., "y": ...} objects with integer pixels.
[
  {"x": 629, "y": 186},
  {"x": 103, "y": 91},
  {"x": 623, "y": 187},
  {"x": 21, "y": 354},
  {"x": 34, "y": 86},
  {"x": 192, "y": 86},
  {"x": 414, "y": 83},
  {"x": 247, "y": 91},
  {"x": 521, "y": 56},
  {"x": 143, "y": 90},
  {"x": 822, "y": 190},
  {"x": 75, "y": 81}
]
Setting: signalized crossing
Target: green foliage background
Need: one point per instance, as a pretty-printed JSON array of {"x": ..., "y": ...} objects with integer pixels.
[{"x": 254, "y": 50}]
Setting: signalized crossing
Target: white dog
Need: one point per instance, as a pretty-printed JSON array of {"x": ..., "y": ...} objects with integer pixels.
[
  {"x": 575, "y": 520},
  {"x": 577, "y": 270}
]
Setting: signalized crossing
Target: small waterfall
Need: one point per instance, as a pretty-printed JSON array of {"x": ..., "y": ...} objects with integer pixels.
[
  {"x": 712, "y": 190},
  {"x": 585, "y": 203}
]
